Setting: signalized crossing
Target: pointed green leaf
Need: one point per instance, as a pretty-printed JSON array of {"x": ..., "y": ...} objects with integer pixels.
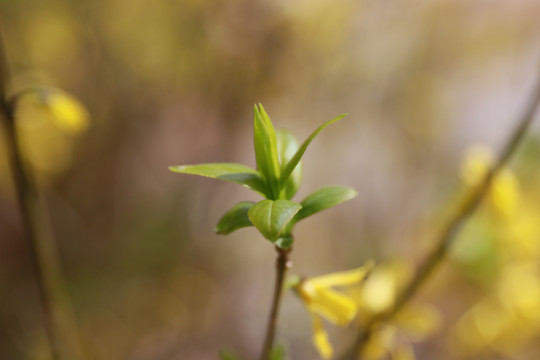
[
  {"x": 291, "y": 165},
  {"x": 213, "y": 170},
  {"x": 235, "y": 218},
  {"x": 271, "y": 216},
  {"x": 250, "y": 180},
  {"x": 287, "y": 147},
  {"x": 323, "y": 199},
  {"x": 266, "y": 154},
  {"x": 236, "y": 173}
]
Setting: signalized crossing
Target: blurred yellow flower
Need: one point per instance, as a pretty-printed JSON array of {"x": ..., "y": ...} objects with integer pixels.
[
  {"x": 415, "y": 323},
  {"x": 379, "y": 291},
  {"x": 48, "y": 120},
  {"x": 478, "y": 160},
  {"x": 520, "y": 238},
  {"x": 321, "y": 300},
  {"x": 412, "y": 323},
  {"x": 507, "y": 317},
  {"x": 504, "y": 192},
  {"x": 386, "y": 341},
  {"x": 67, "y": 112}
]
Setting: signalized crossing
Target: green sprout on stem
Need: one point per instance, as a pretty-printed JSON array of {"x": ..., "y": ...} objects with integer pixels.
[{"x": 277, "y": 179}]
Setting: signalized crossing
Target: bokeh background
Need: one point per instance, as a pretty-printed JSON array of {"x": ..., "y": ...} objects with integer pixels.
[{"x": 174, "y": 82}]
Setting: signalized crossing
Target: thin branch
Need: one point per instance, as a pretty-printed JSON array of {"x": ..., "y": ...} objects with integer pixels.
[
  {"x": 58, "y": 322},
  {"x": 451, "y": 229},
  {"x": 282, "y": 265}
]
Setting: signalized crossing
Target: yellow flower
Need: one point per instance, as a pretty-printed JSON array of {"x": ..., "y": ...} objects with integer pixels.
[
  {"x": 478, "y": 160},
  {"x": 413, "y": 323},
  {"x": 67, "y": 112},
  {"x": 321, "y": 300},
  {"x": 504, "y": 192},
  {"x": 505, "y": 240},
  {"x": 48, "y": 123}
]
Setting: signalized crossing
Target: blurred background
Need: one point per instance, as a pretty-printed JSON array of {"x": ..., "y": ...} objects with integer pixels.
[{"x": 174, "y": 82}]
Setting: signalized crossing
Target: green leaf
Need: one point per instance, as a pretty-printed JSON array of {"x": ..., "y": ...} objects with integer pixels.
[
  {"x": 252, "y": 181},
  {"x": 271, "y": 216},
  {"x": 235, "y": 218},
  {"x": 236, "y": 173},
  {"x": 266, "y": 154},
  {"x": 323, "y": 199},
  {"x": 277, "y": 353},
  {"x": 287, "y": 147},
  {"x": 291, "y": 165}
]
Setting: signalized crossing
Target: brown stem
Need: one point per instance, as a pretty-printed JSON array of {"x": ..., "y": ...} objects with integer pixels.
[
  {"x": 24, "y": 193},
  {"x": 450, "y": 230},
  {"x": 282, "y": 264},
  {"x": 59, "y": 326}
]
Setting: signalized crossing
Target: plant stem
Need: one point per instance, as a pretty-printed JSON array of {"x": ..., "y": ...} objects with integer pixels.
[
  {"x": 451, "y": 229},
  {"x": 282, "y": 265},
  {"x": 58, "y": 323}
]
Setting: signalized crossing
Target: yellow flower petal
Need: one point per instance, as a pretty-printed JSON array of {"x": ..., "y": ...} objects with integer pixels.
[
  {"x": 419, "y": 321},
  {"x": 44, "y": 146},
  {"x": 519, "y": 290},
  {"x": 333, "y": 306},
  {"x": 320, "y": 338},
  {"x": 68, "y": 113},
  {"x": 491, "y": 319},
  {"x": 344, "y": 278},
  {"x": 379, "y": 290},
  {"x": 380, "y": 343},
  {"x": 54, "y": 106},
  {"x": 478, "y": 160},
  {"x": 47, "y": 119},
  {"x": 505, "y": 193},
  {"x": 322, "y": 300},
  {"x": 522, "y": 235}
]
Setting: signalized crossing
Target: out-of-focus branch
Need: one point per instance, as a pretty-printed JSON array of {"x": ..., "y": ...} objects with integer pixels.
[
  {"x": 448, "y": 233},
  {"x": 58, "y": 321}
]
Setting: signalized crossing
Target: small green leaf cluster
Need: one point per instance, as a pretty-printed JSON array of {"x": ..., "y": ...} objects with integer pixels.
[{"x": 277, "y": 179}]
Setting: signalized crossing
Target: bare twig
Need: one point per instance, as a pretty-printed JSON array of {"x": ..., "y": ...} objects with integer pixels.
[
  {"x": 58, "y": 322},
  {"x": 450, "y": 230},
  {"x": 282, "y": 265}
]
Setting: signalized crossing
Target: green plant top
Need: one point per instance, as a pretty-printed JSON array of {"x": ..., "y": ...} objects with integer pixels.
[{"x": 277, "y": 179}]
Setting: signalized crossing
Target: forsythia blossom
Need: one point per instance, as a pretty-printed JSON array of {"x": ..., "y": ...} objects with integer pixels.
[
  {"x": 500, "y": 249},
  {"x": 504, "y": 192},
  {"x": 414, "y": 323},
  {"x": 49, "y": 122},
  {"x": 323, "y": 301}
]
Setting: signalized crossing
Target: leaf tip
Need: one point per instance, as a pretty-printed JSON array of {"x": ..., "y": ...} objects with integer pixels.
[
  {"x": 339, "y": 117},
  {"x": 219, "y": 231}
]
